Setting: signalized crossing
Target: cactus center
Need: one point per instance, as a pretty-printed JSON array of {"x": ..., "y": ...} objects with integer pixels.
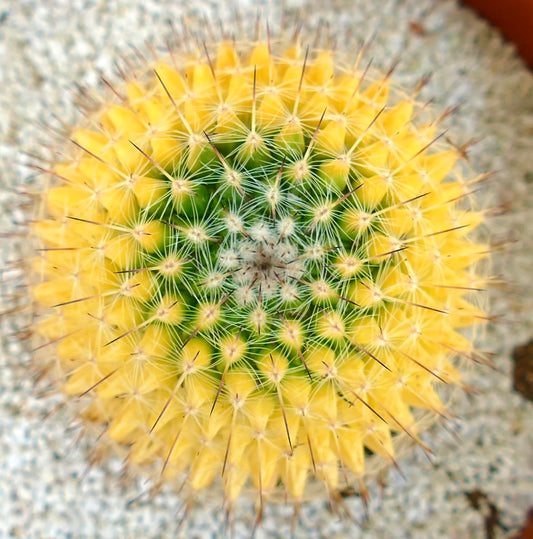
[{"x": 262, "y": 262}]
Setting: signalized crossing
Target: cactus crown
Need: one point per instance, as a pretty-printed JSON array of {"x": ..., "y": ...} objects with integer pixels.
[{"x": 256, "y": 265}]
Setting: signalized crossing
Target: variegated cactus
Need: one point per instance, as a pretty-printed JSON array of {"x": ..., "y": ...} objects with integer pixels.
[{"x": 255, "y": 267}]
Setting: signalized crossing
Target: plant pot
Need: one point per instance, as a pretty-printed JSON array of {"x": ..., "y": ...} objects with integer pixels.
[{"x": 514, "y": 18}]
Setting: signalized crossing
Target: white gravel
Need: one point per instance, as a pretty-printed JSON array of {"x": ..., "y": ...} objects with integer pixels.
[{"x": 46, "y": 487}]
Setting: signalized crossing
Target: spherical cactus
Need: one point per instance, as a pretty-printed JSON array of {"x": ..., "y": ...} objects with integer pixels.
[{"x": 255, "y": 267}]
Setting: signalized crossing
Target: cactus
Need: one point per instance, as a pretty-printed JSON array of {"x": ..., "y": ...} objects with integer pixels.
[{"x": 256, "y": 266}]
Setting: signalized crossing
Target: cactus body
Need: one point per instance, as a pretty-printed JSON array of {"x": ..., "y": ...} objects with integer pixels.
[{"x": 256, "y": 268}]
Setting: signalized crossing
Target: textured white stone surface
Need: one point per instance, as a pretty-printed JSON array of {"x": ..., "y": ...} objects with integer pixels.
[{"x": 46, "y": 487}]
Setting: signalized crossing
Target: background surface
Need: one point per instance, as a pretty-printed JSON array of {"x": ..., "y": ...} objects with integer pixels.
[{"x": 47, "y": 488}]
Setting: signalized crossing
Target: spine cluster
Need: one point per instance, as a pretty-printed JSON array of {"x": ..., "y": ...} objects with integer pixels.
[{"x": 255, "y": 268}]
